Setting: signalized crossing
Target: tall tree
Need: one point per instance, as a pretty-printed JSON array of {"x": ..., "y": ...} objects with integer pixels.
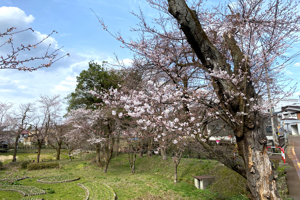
[
  {"x": 239, "y": 50},
  {"x": 96, "y": 77},
  {"x": 256, "y": 28}
]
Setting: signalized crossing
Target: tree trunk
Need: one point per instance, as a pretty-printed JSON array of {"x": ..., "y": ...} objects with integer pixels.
[
  {"x": 108, "y": 151},
  {"x": 176, "y": 160},
  {"x": 175, "y": 172},
  {"x": 58, "y": 151},
  {"x": 98, "y": 158},
  {"x": 16, "y": 148},
  {"x": 118, "y": 144},
  {"x": 105, "y": 167},
  {"x": 150, "y": 147},
  {"x": 39, "y": 152},
  {"x": 133, "y": 164},
  {"x": 163, "y": 153},
  {"x": 261, "y": 179},
  {"x": 131, "y": 158},
  {"x": 70, "y": 157}
]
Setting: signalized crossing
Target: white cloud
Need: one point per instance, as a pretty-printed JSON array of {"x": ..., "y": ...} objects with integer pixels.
[
  {"x": 297, "y": 64},
  {"x": 287, "y": 72},
  {"x": 6, "y": 91},
  {"x": 15, "y": 17},
  {"x": 22, "y": 86},
  {"x": 127, "y": 62},
  {"x": 68, "y": 85}
]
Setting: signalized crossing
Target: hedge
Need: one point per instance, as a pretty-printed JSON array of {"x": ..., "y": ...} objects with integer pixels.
[{"x": 35, "y": 166}]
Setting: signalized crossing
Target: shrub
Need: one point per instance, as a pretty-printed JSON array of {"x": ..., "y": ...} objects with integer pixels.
[
  {"x": 35, "y": 166},
  {"x": 24, "y": 164}
]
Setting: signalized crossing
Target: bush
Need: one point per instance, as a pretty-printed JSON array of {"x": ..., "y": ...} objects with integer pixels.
[
  {"x": 24, "y": 164},
  {"x": 35, "y": 166}
]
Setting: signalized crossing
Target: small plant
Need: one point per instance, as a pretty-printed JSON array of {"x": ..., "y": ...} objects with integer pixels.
[
  {"x": 16, "y": 183},
  {"x": 24, "y": 164},
  {"x": 49, "y": 190}
]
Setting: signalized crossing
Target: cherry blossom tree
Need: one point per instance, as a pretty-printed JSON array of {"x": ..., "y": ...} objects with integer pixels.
[
  {"x": 98, "y": 128},
  {"x": 75, "y": 141},
  {"x": 253, "y": 37},
  {"x": 14, "y": 59},
  {"x": 238, "y": 53},
  {"x": 156, "y": 112}
]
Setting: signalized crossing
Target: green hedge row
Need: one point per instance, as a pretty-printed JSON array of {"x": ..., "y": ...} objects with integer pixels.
[{"x": 35, "y": 166}]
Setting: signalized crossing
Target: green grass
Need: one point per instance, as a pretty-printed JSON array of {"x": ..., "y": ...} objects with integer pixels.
[
  {"x": 99, "y": 191},
  {"x": 58, "y": 179},
  {"x": 23, "y": 189},
  {"x": 153, "y": 179}
]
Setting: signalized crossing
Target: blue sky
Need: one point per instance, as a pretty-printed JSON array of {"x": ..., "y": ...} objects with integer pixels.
[{"x": 81, "y": 35}]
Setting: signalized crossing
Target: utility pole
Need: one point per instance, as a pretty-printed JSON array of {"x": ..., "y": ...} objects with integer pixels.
[{"x": 271, "y": 110}]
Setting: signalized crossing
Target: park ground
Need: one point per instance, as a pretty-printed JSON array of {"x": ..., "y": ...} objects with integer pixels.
[{"x": 153, "y": 178}]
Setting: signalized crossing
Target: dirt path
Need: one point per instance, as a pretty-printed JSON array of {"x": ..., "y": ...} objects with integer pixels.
[{"x": 4, "y": 158}]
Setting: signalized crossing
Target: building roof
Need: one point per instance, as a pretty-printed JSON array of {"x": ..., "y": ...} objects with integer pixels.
[
  {"x": 203, "y": 177},
  {"x": 290, "y": 108}
]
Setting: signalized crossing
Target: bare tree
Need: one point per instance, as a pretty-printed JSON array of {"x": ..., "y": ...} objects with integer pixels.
[
  {"x": 57, "y": 137},
  {"x": 21, "y": 121},
  {"x": 49, "y": 108},
  {"x": 5, "y": 115}
]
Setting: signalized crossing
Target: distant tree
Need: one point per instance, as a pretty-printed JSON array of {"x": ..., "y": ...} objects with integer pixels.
[
  {"x": 44, "y": 124},
  {"x": 13, "y": 59},
  {"x": 4, "y": 116},
  {"x": 96, "y": 77},
  {"x": 97, "y": 128},
  {"x": 19, "y": 122},
  {"x": 57, "y": 136}
]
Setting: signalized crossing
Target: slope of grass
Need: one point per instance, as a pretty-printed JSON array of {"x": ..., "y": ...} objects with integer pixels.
[{"x": 153, "y": 179}]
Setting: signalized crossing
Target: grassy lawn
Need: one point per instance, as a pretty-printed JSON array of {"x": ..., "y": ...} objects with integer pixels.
[{"x": 153, "y": 179}]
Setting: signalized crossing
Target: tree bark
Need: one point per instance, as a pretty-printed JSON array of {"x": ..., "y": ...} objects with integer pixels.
[
  {"x": 58, "y": 150},
  {"x": 175, "y": 172},
  {"x": 108, "y": 151},
  {"x": 131, "y": 159},
  {"x": 39, "y": 152},
  {"x": 16, "y": 148},
  {"x": 163, "y": 153},
  {"x": 117, "y": 144},
  {"x": 150, "y": 147},
  {"x": 70, "y": 157},
  {"x": 250, "y": 140},
  {"x": 98, "y": 158}
]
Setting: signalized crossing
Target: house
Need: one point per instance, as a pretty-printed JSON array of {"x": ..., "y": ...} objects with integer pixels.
[
  {"x": 289, "y": 118},
  {"x": 26, "y": 137}
]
